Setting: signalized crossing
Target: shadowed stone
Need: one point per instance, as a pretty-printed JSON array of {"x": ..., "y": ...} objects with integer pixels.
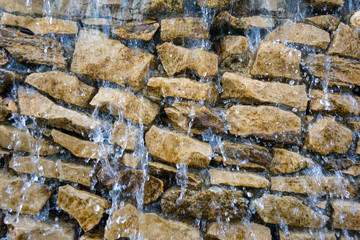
[
  {"x": 7, "y": 78},
  {"x": 95, "y": 235},
  {"x": 237, "y": 179},
  {"x": 239, "y": 163},
  {"x": 4, "y": 153},
  {"x": 3, "y": 58},
  {"x": 273, "y": 5},
  {"x": 326, "y": 4},
  {"x": 234, "y": 52},
  {"x": 138, "y": 30},
  {"x": 326, "y": 22},
  {"x": 346, "y": 42},
  {"x": 159, "y": 7},
  {"x": 286, "y": 162},
  {"x": 353, "y": 171},
  {"x": 7, "y": 108},
  {"x": 346, "y": 215}
]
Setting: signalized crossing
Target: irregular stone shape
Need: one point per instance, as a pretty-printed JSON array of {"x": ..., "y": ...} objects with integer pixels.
[
  {"x": 331, "y": 186},
  {"x": 7, "y": 107},
  {"x": 236, "y": 230},
  {"x": 353, "y": 171},
  {"x": 87, "y": 208},
  {"x": 234, "y": 45},
  {"x": 355, "y": 19},
  {"x": 138, "y": 30},
  {"x": 32, "y": 49},
  {"x": 355, "y": 125},
  {"x": 286, "y": 162},
  {"x": 159, "y": 7},
  {"x": 334, "y": 164},
  {"x": 19, "y": 195},
  {"x": 257, "y": 22},
  {"x": 264, "y": 121},
  {"x": 23, "y": 227},
  {"x": 12, "y": 138},
  {"x": 32, "y": 103},
  {"x": 218, "y": 4},
  {"x": 78, "y": 147},
  {"x": 33, "y": 7},
  {"x": 346, "y": 42},
  {"x": 307, "y": 235},
  {"x": 177, "y": 148},
  {"x": 346, "y": 215},
  {"x": 176, "y": 59},
  {"x": 209, "y": 204},
  {"x": 122, "y": 103},
  {"x": 96, "y": 235},
  {"x": 300, "y": 33},
  {"x": 332, "y": 102},
  {"x": 4, "y": 153},
  {"x": 3, "y": 58},
  {"x": 131, "y": 160},
  {"x": 327, "y": 136},
  {"x": 125, "y": 135},
  {"x": 275, "y": 60},
  {"x": 7, "y": 78},
  {"x": 190, "y": 116},
  {"x": 127, "y": 222},
  {"x": 98, "y": 56},
  {"x": 183, "y": 88},
  {"x": 320, "y": 4},
  {"x": 225, "y": 20},
  {"x": 176, "y": 29},
  {"x": 40, "y": 25},
  {"x": 239, "y": 163},
  {"x": 273, "y": 5},
  {"x": 96, "y": 21},
  {"x": 285, "y": 210},
  {"x": 62, "y": 86},
  {"x": 250, "y": 91},
  {"x": 237, "y": 179},
  {"x": 66, "y": 171},
  {"x": 326, "y": 22}
]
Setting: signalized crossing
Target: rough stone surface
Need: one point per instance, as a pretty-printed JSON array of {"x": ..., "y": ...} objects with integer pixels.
[
  {"x": 62, "y": 86},
  {"x": 275, "y": 60},
  {"x": 234, "y": 52},
  {"x": 353, "y": 171},
  {"x": 138, "y": 30},
  {"x": 286, "y": 162},
  {"x": 7, "y": 78},
  {"x": 285, "y": 210},
  {"x": 15, "y": 197},
  {"x": 239, "y": 163},
  {"x": 326, "y": 3},
  {"x": 327, "y": 136},
  {"x": 250, "y": 90},
  {"x": 218, "y": 4},
  {"x": 98, "y": 56},
  {"x": 59, "y": 169},
  {"x": 87, "y": 208},
  {"x": 355, "y": 19},
  {"x": 95, "y": 235},
  {"x": 125, "y": 135},
  {"x": 209, "y": 204},
  {"x": 176, "y": 148},
  {"x": 237, "y": 179},
  {"x": 326, "y": 22},
  {"x": 257, "y": 22},
  {"x": 3, "y": 58},
  {"x": 7, "y": 108},
  {"x": 122, "y": 103},
  {"x": 273, "y": 5},
  {"x": 346, "y": 42},
  {"x": 307, "y": 235},
  {"x": 346, "y": 215},
  {"x": 225, "y": 20},
  {"x": 157, "y": 7},
  {"x": 176, "y": 59},
  {"x": 131, "y": 160},
  {"x": 4, "y": 153}
]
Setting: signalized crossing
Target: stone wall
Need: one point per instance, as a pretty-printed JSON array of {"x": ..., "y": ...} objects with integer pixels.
[{"x": 159, "y": 119}]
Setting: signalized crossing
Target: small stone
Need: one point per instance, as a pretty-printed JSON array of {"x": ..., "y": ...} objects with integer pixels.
[
  {"x": 334, "y": 164},
  {"x": 275, "y": 60},
  {"x": 138, "y": 30},
  {"x": 321, "y": 204},
  {"x": 7, "y": 108},
  {"x": 225, "y": 20},
  {"x": 33, "y": 7},
  {"x": 160, "y": 7},
  {"x": 3, "y": 58},
  {"x": 176, "y": 59},
  {"x": 358, "y": 148},
  {"x": 307, "y": 235},
  {"x": 257, "y": 22},
  {"x": 239, "y": 163},
  {"x": 87, "y": 208},
  {"x": 286, "y": 162},
  {"x": 234, "y": 52},
  {"x": 273, "y": 5},
  {"x": 346, "y": 42},
  {"x": 4, "y": 153},
  {"x": 237, "y": 179},
  {"x": 7, "y": 78},
  {"x": 355, "y": 125},
  {"x": 327, "y": 136},
  {"x": 217, "y": 4},
  {"x": 123, "y": 103},
  {"x": 326, "y": 4},
  {"x": 346, "y": 215},
  {"x": 131, "y": 160},
  {"x": 175, "y": 148},
  {"x": 285, "y": 210},
  {"x": 95, "y": 235},
  {"x": 355, "y": 20},
  {"x": 125, "y": 135},
  {"x": 209, "y": 204},
  {"x": 96, "y": 21},
  {"x": 326, "y": 22},
  {"x": 353, "y": 170}
]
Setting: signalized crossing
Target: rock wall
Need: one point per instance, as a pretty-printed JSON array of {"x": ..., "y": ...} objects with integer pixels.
[{"x": 159, "y": 119}]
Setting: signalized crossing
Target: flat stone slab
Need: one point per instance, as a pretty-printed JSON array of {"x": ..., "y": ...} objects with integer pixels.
[
  {"x": 346, "y": 215},
  {"x": 346, "y": 42},
  {"x": 237, "y": 179},
  {"x": 326, "y": 22},
  {"x": 144, "y": 30},
  {"x": 125, "y": 135},
  {"x": 286, "y": 162},
  {"x": 307, "y": 235}
]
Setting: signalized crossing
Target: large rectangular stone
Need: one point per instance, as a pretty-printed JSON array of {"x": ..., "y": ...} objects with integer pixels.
[
  {"x": 237, "y": 179},
  {"x": 346, "y": 215}
]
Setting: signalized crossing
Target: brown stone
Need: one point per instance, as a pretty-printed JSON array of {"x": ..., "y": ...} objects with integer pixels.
[
  {"x": 12, "y": 138},
  {"x": 346, "y": 215},
  {"x": 327, "y": 136},
  {"x": 7, "y": 107},
  {"x": 87, "y": 208},
  {"x": 286, "y": 162},
  {"x": 273, "y": 5},
  {"x": 66, "y": 171},
  {"x": 98, "y": 56},
  {"x": 190, "y": 116},
  {"x": 251, "y": 91},
  {"x": 346, "y": 42},
  {"x": 320, "y": 4},
  {"x": 138, "y": 30},
  {"x": 175, "y": 148},
  {"x": 236, "y": 230},
  {"x": 32, "y": 103},
  {"x": 33, "y": 7},
  {"x": 288, "y": 210},
  {"x": 225, "y": 20},
  {"x": 218, "y": 4},
  {"x": 7, "y": 78},
  {"x": 125, "y": 135},
  {"x": 62, "y": 86},
  {"x": 334, "y": 164},
  {"x": 237, "y": 179},
  {"x": 176, "y": 59},
  {"x": 32, "y": 49},
  {"x": 307, "y": 235},
  {"x": 123, "y": 103},
  {"x": 358, "y": 148},
  {"x": 264, "y": 121},
  {"x": 3, "y": 58},
  {"x": 131, "y": 160},
  {"x": 353, "y": 170},
  {"x": 158, "y": 7},
  {"x": 275, "y": 60},
  {"x": 23, "y": 196},
  {"x": 95, "y": 235},
  {"x": 4, "y": 153},
  {"x": 257, "y": 22},
  {"x": 355, "y": 125},
  {"x": 234, "y": 52},
  {"x": 355, "y": 19},
  {"x": 239, "y": 163},
  {"x": 326, "y": 22}
]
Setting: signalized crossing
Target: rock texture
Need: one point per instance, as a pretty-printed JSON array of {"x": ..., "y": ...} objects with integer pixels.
[
  {"x": 234, "y": 52},
  {"x": 326, "y": 22},
  {"x": 286, "y": 162},
  {"x": 7, "y": 78},
  {"x": 7, "y": 108},
  {"x": 125, "y": 135},
  {"x": 346, "y": 215},
  {"x": 237, "y": 179},
  {"x": 346, "y": 42},
  {"x": 138, "y": 30},
  {"x": 307, "y": 235}
]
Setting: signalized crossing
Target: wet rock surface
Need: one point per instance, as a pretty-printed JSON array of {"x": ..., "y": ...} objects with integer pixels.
[
  {"x": 138, "y": 30},
  {"x": 346, "y": 214},
  {"x": 346, "y": 42},
  {"x": 307, "y": 235},
  {"x": 125, "y": 135},
  {"x": 237, "y": 179},
  {"x": 326, "y": 22},
  {"x": 287, "y": 162}
]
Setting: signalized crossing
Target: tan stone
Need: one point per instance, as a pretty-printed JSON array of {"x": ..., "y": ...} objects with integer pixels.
[
  {"x": 138, "y": 30},
  {"x": 327, "y": 136},
  {"x": 122, "y": 103},
  {"x": 7, "y": 78},
  {"x": 346, "y": 215},
  {"x": 275, "y": 60},
  {"x": 59, "y": 169},
  {"x": 346, "y": 42},
  {"x": 33, "y": 7},
  {"x": 225, "y": 20},
  {"x": 176, "y": 59},
  {"x": 250, "y": 91},
  {"x": 321, "y": 204},
  {"x": 218, "y": 4},
  {"x": 20, "y": 195},
  {"x": 264, "y": 121},
  {"x": 286, "y": 162},
  {"x": 87, "y": 208},
  {"x": 32, "y": 103},
  {"x": 358, "y": 148},
  {"x": 95, "y": 235},
  {"x": 353, "y": 171},
  {"x": 326, "y": 4},
  {"x": 98, "y": 56},
  {"x": 288, "y": 210},
  {"x": 32, "y": 49},
  {"x": 237, "y": 179},
  {"x": 210, "y": 204},
  {"x": 355, "y": 125},
  {"x": 96, "y": 21},
  {"x": 257, "y": 22},
  {"x": 234, "y": 45},
  {"x": 24, "y": 227},
  {"x": 3, "y": 58},
  {"x": 273, "y": 5},
  {"x": 355, "y": 19},
  {"x": 326, "y": 22},
  {"x": 125, "y": 135},
  {"x": 239, "y": 163},
  {"x": 62, "y": 86},
  {"x": 237, "y": 230},
  {"x": 7, "y": 108},
  {"x": 158, "y": 7},
  {"x": 175, "y": 148},
  {"x": 307, "y": 235},
  {"x": 131, "y": 160}
]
